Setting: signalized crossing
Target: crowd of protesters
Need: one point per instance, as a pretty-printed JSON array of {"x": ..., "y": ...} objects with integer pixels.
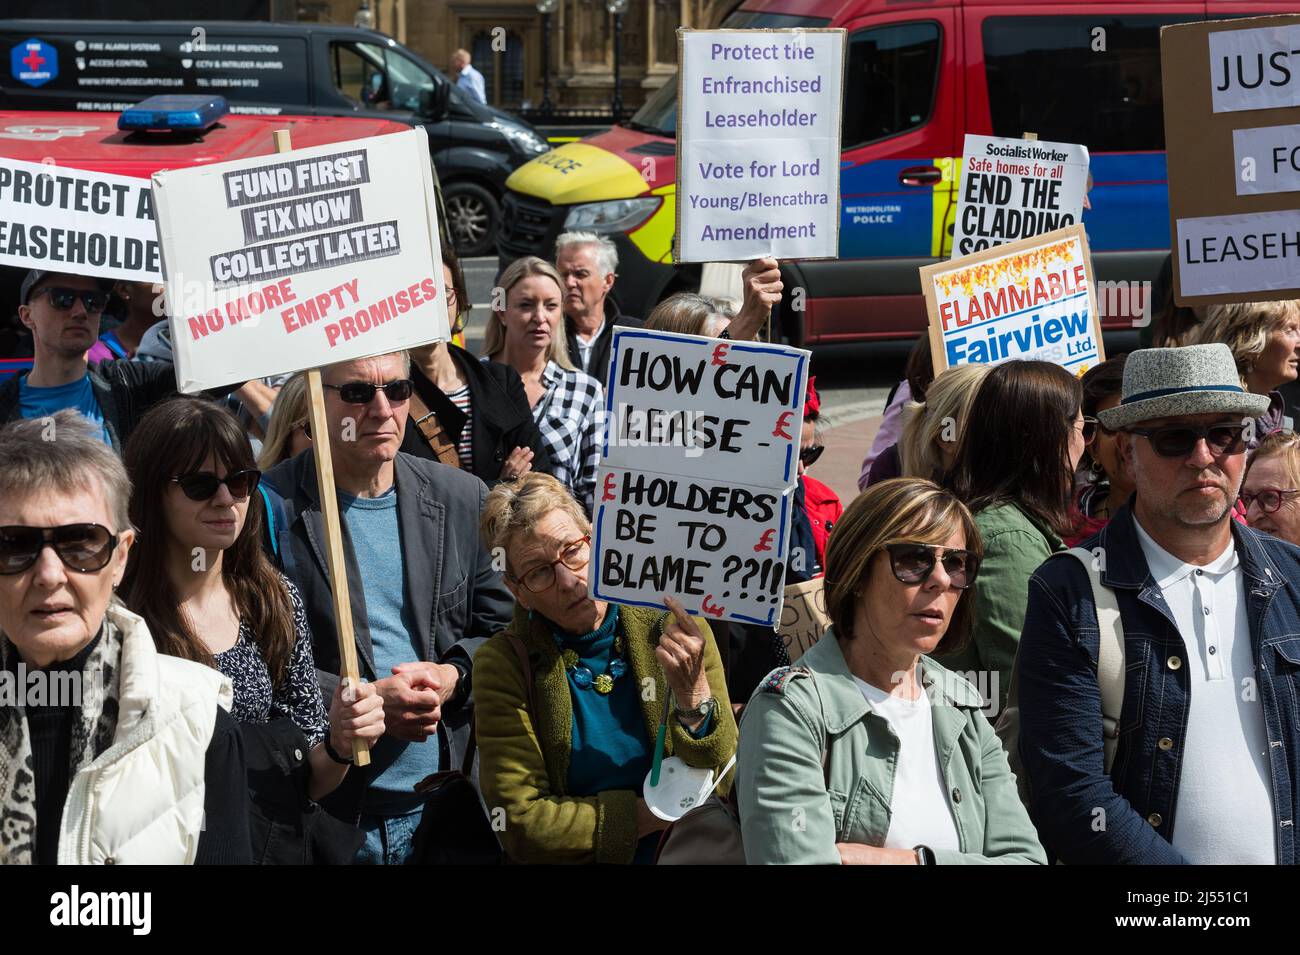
[{"x": 1057, "y": 600}]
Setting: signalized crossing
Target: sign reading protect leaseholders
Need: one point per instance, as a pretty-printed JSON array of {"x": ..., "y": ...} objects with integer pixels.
[
  {"x": 758, "y": 144},
  {"x": 1232, "y": 130},
  {"x": 301, "y": 259},
  {"x": 1032, "y": 299},
  {"x": 1015, "y": 189},
  {"x": 699, "y": 464},
  {"x": 70, "y": 220}
]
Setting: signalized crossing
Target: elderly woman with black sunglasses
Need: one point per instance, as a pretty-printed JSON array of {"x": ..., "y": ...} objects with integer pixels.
[
  {"x": 129, "y": 756},
  {"x": 869, "y": 752},
  {"x": 199, "y": 578},
  {"x": 570, "y": 695}
]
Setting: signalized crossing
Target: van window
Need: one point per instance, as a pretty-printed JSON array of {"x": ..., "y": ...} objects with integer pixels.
[
  {"x": 890, "y": 81},
  {"x": 1088, "y": 79},
  {"x": 371, "y": 77}
]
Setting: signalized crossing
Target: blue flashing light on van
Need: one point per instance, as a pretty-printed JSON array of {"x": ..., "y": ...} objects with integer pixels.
[{"x": 179, "y": 113}]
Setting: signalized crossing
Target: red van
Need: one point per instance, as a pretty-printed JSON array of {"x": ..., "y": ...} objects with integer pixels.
[
  {"x": 93, "y": 141},
  {"x": 920, "y": 74}
]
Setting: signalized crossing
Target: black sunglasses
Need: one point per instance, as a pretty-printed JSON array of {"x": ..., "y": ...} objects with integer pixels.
[
  {"x": 914, "y": 563},
  {"x": 363, "y": 392},
  {"x": 63, "y": 298},
  {"x": 202, "y": 485},
  {"x": 809, "y": 456},
  {"x": 1178, "y": 441},
  {"x": 85, "y": 548}
]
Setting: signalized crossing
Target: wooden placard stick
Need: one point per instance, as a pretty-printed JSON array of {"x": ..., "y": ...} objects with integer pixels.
[{"x": 329, "y": 505}]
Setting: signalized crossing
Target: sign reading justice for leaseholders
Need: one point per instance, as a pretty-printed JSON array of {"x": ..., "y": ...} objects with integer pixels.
[
  {"x": 71, "y": 220},
  {"x": 1015, "y": 189},
  {"x": 758, "y": 144},
  {"x": 699, "y": 463},
  {"x": 301, "y": 259},
  {"x": 1032, "y": 299}
]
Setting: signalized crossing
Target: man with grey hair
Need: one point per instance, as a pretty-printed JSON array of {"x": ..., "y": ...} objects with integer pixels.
[
  {"x": 587, "y": 262},
  {"x": 1157, "y": 669},
  {"x": 425, "y": 594}
]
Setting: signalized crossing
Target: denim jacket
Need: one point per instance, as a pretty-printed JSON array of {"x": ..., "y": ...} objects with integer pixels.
[{"x": 1082, "y": 815}]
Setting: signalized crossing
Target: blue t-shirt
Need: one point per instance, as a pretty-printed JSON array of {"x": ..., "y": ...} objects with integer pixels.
[
  {"x": 396, "y": 765},
  {"x": 78, "y": 396}
]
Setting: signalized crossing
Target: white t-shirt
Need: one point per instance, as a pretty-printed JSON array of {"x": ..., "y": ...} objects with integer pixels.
[
  {"x": 1224, "y": 812},
  {"x": 585, "y": 345},
  {"x": 919, "y": 813}
]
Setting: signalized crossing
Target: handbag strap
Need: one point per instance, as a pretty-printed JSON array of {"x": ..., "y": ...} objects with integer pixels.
[
  {"x": 434, "y": 432},
  {"x": 1110, "y": 654}
]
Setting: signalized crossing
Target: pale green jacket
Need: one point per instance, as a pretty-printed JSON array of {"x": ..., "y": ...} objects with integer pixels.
[{"x": 794, "y": 810}]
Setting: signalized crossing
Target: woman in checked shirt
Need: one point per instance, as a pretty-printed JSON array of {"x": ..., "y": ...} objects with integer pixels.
[{"x": 527, "y": 333}]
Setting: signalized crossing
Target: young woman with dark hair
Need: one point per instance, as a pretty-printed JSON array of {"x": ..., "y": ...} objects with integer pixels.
[
  {"x": 1015, "y": 471},
  {"x": 208, "y": 592},
  {"x": 1105, "y": 486}
]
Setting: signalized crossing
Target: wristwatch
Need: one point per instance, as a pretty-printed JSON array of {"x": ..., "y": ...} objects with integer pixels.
[
  {"x": 703, "y": 711},
  {"x": 333, "y": 754},
  {"x": 925, "y": 855}
]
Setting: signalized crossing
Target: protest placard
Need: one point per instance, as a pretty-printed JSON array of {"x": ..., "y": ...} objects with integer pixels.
[
  {"x": 803, "y": 617},
  {"x": 758, "y": 144},
  {"x": 323, "y": 256},
  {"x": 1232, "y": 134},
  {"x": 1031, "y": 299},
  {"x": 699, "y": 462},
  {"x": 1015, "y": 189},
  {"x": 70, "y": 220}
]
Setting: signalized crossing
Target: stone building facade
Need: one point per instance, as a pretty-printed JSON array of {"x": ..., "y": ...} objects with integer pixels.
[{"x": 504, "y": 38}]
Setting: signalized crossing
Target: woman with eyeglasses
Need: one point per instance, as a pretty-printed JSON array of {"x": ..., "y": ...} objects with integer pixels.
[
  {"x": 1103, "y": 485},
  {"x": 869, "y": 752},
  {"x": 1015, "y": 469},
  {"x": 466, "y": 413},
  {"x": 201, "y": 581},
  {"x": 289, "y": 431},
  {"x": 1270, "y": 491},
  {"x": 570, "y": 695},
  {"x": 526, "y": 332},
  {"x": 129, "y": 756}
]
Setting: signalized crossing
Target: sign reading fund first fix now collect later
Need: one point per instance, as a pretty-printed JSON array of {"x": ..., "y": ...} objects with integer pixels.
[
  {"x": 758, "y": 144},
  {"x": 300, "y": 259}
]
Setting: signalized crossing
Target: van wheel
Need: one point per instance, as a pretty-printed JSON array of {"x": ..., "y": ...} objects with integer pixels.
[{"x": 472, "y": 218}]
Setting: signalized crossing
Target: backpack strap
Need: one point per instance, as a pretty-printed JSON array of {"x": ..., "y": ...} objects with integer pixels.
[
  {"x": 1110, "y": 654},
  {"x": 270, "y": 521},
  {"x": 434, "y": 433}
]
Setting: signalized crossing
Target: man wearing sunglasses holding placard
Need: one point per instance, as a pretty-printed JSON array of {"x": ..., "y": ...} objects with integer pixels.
[
  {"x": 1203, "y": 767},
  {"x": 63, "y": 313}
]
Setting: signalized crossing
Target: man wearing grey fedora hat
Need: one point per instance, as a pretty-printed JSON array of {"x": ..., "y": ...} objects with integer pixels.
[{"x": 1206, "y": 752}]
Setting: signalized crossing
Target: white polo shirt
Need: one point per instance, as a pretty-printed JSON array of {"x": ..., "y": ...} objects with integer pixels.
[{"x": 1225, "y": 792}]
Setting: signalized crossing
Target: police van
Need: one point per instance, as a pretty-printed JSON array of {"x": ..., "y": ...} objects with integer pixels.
[
  {"x": 919, "y": 76},
  {"x": 271, "y": 68}
]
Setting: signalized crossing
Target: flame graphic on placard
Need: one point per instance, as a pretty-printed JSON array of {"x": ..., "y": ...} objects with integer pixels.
[{"x": 1009, "y": 270}]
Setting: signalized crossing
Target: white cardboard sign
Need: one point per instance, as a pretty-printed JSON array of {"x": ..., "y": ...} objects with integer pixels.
[
  {"x": 1016, "y": 189},
  {"x": 1255, "y": 69},
  {"x": 699, "y": 464},
  {"x": 71, "y": 220},
  {"x": 1240, "y": 253},
  {"x": 758, "y": 139},
  {"x": 301, "y": 259}
]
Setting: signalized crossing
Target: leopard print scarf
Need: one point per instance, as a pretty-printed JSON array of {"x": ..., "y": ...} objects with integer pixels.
[{"x": 92, "y": 733}]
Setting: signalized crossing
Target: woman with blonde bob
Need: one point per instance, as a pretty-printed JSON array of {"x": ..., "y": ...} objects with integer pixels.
[
  {"x": 526, "y": 332},
  {"x": 1265, "y": 342},
  {"x": 932, "y": 428},
  {"x": 289, "y": 433},
  {"x": 883, "y": 753},
  {"x": 569, "y": 697}
]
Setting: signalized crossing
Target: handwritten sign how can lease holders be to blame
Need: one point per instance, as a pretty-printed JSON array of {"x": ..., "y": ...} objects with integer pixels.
[
  {"x": 1032, "y": 299},
  {"x": 300, "y": 260},
  {"x": 686, "y": 417},
  {"x": 758, "y": 144},
  {"x": 71, "y": 220}
]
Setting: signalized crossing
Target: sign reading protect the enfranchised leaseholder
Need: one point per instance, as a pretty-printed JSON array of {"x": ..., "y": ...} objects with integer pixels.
[
  {"x": 698, "y": 468},
  {"x": 1032, "y": 299},
  {"x": 758, "y": 144},
  {"x": 301, "y": 259}
]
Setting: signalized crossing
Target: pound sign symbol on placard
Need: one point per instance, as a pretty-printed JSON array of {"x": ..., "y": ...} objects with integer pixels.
[
  {"x": 765, "y": 542},
  {"x": 608, "y": 493},
  {"x": 782, "y": 423}
]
